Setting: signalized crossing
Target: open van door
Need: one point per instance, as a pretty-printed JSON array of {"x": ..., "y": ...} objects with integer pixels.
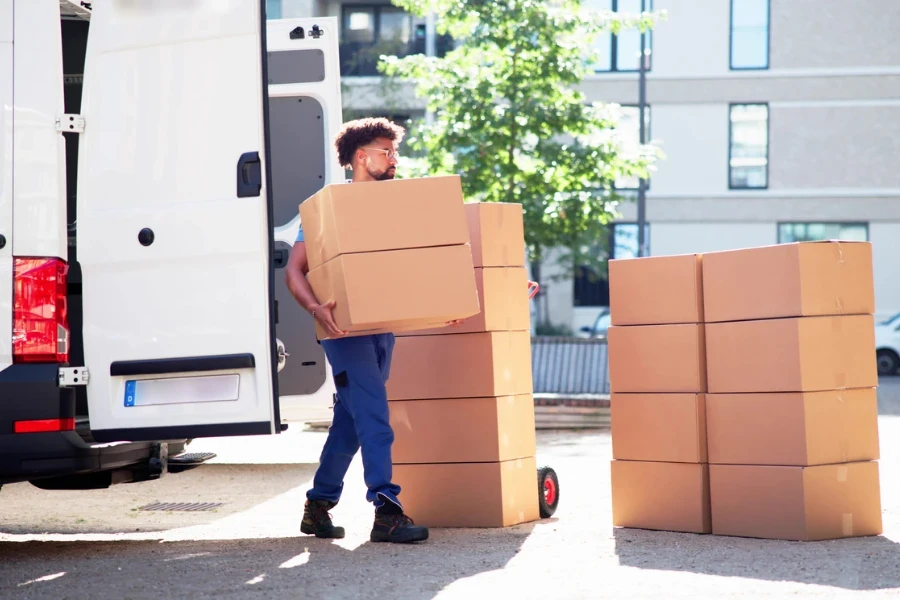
[
  {"x": 175, "y": 221},
  {"x": 304, "y": 80}
]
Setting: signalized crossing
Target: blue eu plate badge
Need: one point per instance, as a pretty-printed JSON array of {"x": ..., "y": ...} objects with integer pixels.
[{"x": 129, "y": 392}]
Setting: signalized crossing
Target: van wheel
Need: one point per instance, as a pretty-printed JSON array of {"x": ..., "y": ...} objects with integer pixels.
[
  {"x": 888, "y": 362},
  {"x": 548, "y": 491}
]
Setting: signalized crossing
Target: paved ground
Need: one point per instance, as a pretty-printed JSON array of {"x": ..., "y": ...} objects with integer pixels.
[{"x": 96, "y": 544}]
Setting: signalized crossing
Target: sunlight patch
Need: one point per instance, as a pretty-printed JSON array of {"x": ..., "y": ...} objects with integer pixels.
[
  {"x": 44, "y": 578},
  {"x": 297, "y": 561}
]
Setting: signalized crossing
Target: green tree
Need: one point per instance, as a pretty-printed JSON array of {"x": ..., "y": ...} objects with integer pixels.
[{"x": 510, "y": 119}]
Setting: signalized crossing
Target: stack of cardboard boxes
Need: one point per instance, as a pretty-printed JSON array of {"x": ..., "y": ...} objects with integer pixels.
[
  {"x": 461, "y": 398},
  {"x": 392, "y": 255},
  {"x": 657, "y": 363},
  {"x": 790, "y": 416},
  {"x": 792, "y": 409}
]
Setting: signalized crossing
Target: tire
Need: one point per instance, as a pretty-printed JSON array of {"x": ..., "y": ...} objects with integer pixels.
[
  {"x": 888, "y": 362},
  {"x": 548, "y": 491}
]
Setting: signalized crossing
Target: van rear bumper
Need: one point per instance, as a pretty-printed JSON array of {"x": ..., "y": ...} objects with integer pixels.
[{"x": 31, "y": 392}]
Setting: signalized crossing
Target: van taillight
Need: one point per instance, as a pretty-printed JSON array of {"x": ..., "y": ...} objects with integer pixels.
[{"x": 40, "y": 318}]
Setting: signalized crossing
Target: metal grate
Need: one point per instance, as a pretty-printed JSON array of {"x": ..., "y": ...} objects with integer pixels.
[
  {"x": 181, "y": 506},
  {"x": 567, "y": 365}
]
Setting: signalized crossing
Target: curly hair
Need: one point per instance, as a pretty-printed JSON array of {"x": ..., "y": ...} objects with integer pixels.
[{"x": 363, "y": 132}]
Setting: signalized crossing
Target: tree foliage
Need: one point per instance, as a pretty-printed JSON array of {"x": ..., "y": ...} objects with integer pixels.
[{"x": 509, "y": 116}]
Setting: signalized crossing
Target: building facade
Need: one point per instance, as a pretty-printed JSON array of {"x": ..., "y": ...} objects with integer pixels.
[{"x": 779, "y": 119}]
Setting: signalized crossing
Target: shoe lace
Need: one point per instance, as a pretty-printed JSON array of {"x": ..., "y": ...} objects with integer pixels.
[
  {"x": 399, "y": 520},
  {"x": 321, "y": 513}
]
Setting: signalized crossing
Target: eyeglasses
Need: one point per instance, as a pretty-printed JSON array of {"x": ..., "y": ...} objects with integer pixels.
[{"x": 387, "y": 152}]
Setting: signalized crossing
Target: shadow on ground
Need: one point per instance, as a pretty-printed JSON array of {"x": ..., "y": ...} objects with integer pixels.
[
  {"x": 25, "y": 509},
  {"x": 288, "y": 567},
  {"x": 871, "y": 563}
]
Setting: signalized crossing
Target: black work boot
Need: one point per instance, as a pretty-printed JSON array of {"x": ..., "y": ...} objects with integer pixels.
[
  {"x": 317, "y": 520},
  {"x": 391, "y": 525}
]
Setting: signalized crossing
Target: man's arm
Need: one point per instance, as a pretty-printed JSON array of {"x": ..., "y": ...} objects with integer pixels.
[{"x": 295, "y": 278}]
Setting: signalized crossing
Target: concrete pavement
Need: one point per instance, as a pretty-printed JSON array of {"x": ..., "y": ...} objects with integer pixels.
[{"x": 96, "y": 544}]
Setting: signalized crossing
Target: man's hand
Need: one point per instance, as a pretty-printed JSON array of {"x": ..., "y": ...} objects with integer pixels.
[{"x": 322, "y": 312}]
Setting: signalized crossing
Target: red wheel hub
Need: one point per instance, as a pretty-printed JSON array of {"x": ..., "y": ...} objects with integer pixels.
[{"x": 549, "y": 491}]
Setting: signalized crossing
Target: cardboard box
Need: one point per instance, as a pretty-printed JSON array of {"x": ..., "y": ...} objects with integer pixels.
[
  {"x": 659, "y": 427},
  {"x": 373, "y": 216},
  {"x": 656, "y": 290},
  {"x": 661, "y": 495},
  {"x": 497, "y": 231},
  {"x": 397, "y": 289},
  {"x": 804, "y": 354},
  {"x": 789, "y": 280},
  {"x": 462, "y": 430},
  {"x": 796, "y": 429},
  {"x": 503, "y": 298},
  {"x": 494, "y": 494},
  {"x": 468, "y": 365},
  {"x": 657, "y": 358},
  {"x": 796, "y": 503}
]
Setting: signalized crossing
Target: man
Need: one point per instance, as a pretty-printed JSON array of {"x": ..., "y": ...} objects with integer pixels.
[{"x": 361, "y": 366}]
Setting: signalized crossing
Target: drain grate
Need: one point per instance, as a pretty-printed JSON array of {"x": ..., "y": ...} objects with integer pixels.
[{"x": 181, "y": 506}]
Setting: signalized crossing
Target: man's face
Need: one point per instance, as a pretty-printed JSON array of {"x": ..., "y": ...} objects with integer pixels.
[{"x": 380, "y": 159}]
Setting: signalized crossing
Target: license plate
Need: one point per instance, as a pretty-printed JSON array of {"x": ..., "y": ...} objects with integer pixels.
[{"x": 182, "y": 390}]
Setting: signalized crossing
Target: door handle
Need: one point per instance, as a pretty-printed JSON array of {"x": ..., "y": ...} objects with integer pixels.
[{"x": 249, "y": 175}]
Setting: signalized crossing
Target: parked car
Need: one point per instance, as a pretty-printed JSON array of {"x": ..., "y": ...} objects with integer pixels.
[
  {"x": 887, "y": 344},
  {"x": 598, "y": 329}
]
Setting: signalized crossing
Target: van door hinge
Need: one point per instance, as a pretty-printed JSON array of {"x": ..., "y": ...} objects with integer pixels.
[
  {"x": 70, "y": 123},
  {"x": 72, "y": 376}
]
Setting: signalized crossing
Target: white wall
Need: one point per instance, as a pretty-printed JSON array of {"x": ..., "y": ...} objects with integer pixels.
[
  {"x": 694, "y": 40},
  {"x": 689, "y": 238},
  {"x": 694, "y": 138},
  {"x": 885, "y": 238}
]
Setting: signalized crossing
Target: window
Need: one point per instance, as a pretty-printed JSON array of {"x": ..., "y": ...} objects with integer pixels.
[
  {"x": 628, "y": 131},
  {"x": 748, "y": 152},
  {"x": 749, "y": 34},
  {"x": 815, "y": 232},
  {"x": 589, "y": 288},
  {"x": 620, "y": 52},
  {"x": 273, "y": 9}
]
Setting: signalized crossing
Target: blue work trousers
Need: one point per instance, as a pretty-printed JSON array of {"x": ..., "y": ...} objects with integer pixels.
[{"x": 361, "y": 367}]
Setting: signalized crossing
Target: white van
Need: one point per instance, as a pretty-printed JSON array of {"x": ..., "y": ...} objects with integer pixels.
[{"x": 152, "y": 158}]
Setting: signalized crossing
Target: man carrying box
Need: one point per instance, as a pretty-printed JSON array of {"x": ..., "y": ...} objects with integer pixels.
[{"x": 361, "y": 365}]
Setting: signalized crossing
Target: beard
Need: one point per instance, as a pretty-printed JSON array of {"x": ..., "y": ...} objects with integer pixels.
[{"x": 387, "y": 175}]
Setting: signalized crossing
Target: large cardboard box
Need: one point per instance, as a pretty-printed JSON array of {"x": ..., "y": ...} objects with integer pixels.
[
  {"x": 656, "y": 290},
  {"x": 468, "y": 365},
  {"x": 659, "y": 427},
  {"x": 346, "y": 218},
  {"x": 796, "y": 503},
  {"x": 497, "y": 232},
  {"x": 493, "y": 494},
  {"x": 661, "y": 495},
  {"x": 789, "y": 280},
  {"x": 503, "y": 297},
  {"x": 397, "y": 289},
  {"x": 657, "y": 358},
  {"x": 804, "y": 354},
  {"x": 796, "y": 429},
  {"x": 462, "y": 430}
]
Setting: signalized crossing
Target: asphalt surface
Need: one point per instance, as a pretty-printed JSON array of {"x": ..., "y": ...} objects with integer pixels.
[{"x": 99, "y": 544}]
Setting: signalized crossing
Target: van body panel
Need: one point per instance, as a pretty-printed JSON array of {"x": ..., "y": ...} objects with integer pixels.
[
  {"x": 6, "y": 180},
  {"x": 39, "y": 195}
]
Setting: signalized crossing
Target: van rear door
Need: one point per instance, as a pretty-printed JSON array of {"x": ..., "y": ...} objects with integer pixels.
[{"x": 175, "y": 221}]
